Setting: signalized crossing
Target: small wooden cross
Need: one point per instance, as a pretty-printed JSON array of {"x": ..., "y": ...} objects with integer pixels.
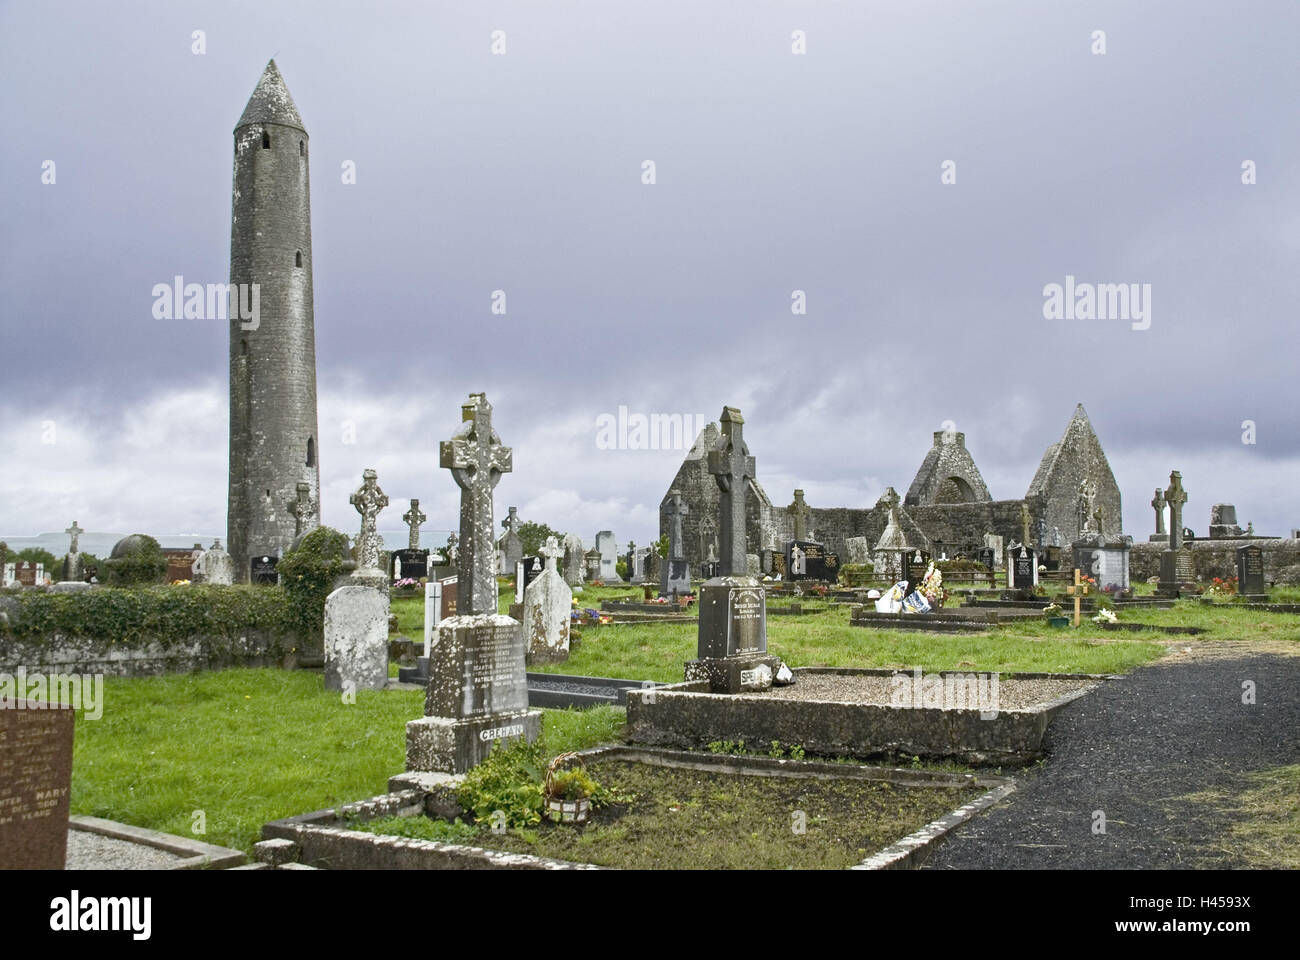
[{"x": 1076, "y": 590}]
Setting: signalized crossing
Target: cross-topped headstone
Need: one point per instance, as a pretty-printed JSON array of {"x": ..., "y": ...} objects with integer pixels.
[
  {"x": 413, "y": 518},
  {"x": 302, "y": 509},
  {"x": 732, "y": 467},
  {"x": 75, "y": 533},
  {"x": 799, "y": 513},
  {"x": 551, "y": 551},
  {"x": 1158, "y": 503},
  {"x": 1175, "y": 496},
  {"x": 477, "y": 459},
  {"x": 368, "y": 500},
  {"x": 1024, "y": 524},
  {"x": 511, "y": 522},
  {"x": 889, "y": 498}
]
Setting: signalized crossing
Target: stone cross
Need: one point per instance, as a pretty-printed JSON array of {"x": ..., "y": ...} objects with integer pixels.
[
  {"x": 75, "y": 532},
  {"x": 1099, "y": 515},
  {"x": 368, "y": 500},
  {"x": 413, "y": 518},
  {"x": 511, "y": 522},
  {"x": 477, "y": 459},
  {"x": 303, "y": 509},
  {"x": 1158, "y": 502},
  {"x": 1175, "y": 496},
  {"x": 798, "y": 510},
  {"x": 732, "y": 467},
  {"x": 550, "y": 551},
  {"x": 1024, "y": 524},
  {"x": 452, "y": 551},
  {"x": 677, "y": 511},
  {"x": 889, "y": 498}
]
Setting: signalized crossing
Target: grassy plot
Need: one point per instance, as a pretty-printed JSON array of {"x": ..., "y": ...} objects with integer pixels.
[
  {"x": 649, "y": 651},
  {"x": 1264, "y": 832},
  {"x": 702, "y": 820},
  {"x": 236, "y": 748}
]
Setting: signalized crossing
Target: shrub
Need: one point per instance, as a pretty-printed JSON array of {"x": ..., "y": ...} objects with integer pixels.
[
  {"x": 307, "y": 575},
  {"x": 143, "y": 565}
]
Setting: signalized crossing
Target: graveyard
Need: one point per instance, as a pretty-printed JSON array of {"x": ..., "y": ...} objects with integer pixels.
[{"x": 562, "y": 441}]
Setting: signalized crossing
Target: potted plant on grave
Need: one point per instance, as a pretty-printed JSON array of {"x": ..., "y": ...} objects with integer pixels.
[
  {"x": 1055, "y": 615},
  {"x": 406, "y": 587},
  {"x": 567, "y": 790}
]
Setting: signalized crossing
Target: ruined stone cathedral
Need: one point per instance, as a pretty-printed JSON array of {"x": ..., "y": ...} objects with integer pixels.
[
  {"x": 947, "y": 509},
  {"x": 274, "y": 467}
]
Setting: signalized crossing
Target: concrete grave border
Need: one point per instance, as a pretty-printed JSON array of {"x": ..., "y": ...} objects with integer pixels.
[{"x": 194, "y": 854}]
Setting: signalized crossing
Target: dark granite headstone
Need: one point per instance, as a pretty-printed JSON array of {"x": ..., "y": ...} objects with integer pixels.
[
  {"x": 1023, "y": 567},
  {"x": 732, "y": 637},
  {"x": 813, "y": 561},
  {"x": 415, "y": 563},
  {"x": 527, "y": 570},
  {"x": 262, "y": 570},
  {"x": 1250, "y": 571},
  {"x": 449, "y": 596},
  {"x": 917, "y": 562},
  {"x": 987, "y": 556},
  {"x": 35, "y": 785}
]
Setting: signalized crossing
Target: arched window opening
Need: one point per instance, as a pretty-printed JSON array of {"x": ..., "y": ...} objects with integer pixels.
[
  {"x": 302, "y": 149},
  {"x": 266, "y": 139},
  {"x": 298, "y": 259},
  {"x": 311, "y": 452}
]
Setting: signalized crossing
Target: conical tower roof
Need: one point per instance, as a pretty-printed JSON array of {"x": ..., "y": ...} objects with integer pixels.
[{"x": 271, "y": 102}]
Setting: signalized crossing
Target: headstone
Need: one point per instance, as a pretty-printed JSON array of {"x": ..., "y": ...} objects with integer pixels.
[
  {"x": 732, "y": 468},
  {"x": 857, "y": 550},
  {"x": 799, "y": 516},
  {"x": 1106, "y": 560},
  {"x": 180, "y": 563},
  {"x": 548, "y": 602},
  {"x": 477, "y": 459},
  {"x": 732, "y": 640},
  {"x": 356, "y": 638},
  {"x": 217, "y": 565},
  {"x": 432, "y": 613},
  {"x": 574, "y": 554},
  {"x": 369, "y": 499},
  {"x": 634, "y": 572},
  {"x": 8, "y": 576},
  {"x": 477, "y": 693},
  {"x": 1250, "y": 571},
  {"x": 413, "y": 564},
  {"x": 29, "y": 574},
  {"x": 1177, "y": 571},
  {"x": 450, "y": 594},
  {"x": 35, "y": 784},
  {"x": 1022, "y": 568},
  {"x": 303, "y": 510},
  {"x": 608, "y": 547},
  {"x": 262, "y": 570},
  {"x": 987, "y": 557},
  {"x": 592, "y": 562},
  {"x": 916, "y": 564},
  {"x": 809, "y": 560},
  {"x": 72, "y": 567},
  {"x": 752, "y": 567},
  {"x": 1158, "y": 504},
  {"x": 675, "y": 570},
  {"x": 413, "y": 518},
  {"x": 512, "y": 547},
  {"x": 527, "y": 569}
]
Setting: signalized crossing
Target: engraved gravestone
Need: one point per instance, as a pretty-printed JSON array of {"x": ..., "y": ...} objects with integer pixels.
[
  {"x": 574, "y": 573},
  {"x": 1250, "y": 571},
  {"x": 527, "y": 569},
  {"x": 675, "y": 570},
  {"x": 511, "y": 546},
  {"x": 262, "y": 570},
  {"x": 1022, "y": 568},
  {"x": 732, "y": 638},
  {"x": 35, "y": 785},
  {"x": 608, "y": 548},
  {"x": 1176, "y": 567},
  {"x": 547, "y": 605},
  {"x": 477, "y": 694}
]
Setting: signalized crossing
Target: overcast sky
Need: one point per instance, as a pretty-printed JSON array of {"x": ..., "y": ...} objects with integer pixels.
[{"x": 775, "y": 172}]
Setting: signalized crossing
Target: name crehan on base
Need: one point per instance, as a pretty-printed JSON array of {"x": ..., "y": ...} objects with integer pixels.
[{"x": 498, "y": 733}]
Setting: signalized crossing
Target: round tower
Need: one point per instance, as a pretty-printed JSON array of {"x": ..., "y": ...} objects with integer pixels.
[{"x": 274, "y": 440}]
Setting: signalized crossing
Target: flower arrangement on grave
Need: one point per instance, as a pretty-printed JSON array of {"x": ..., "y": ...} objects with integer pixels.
[
  {"x": 406, "y": 583},
  {"x": 1105, "y": 616},
  {"x": 1053, "y": 610},
  {"x": 567, "y": 790},
  {"x": 1221, "y": 587},
  {"x": 180, "y": 583},
  {"x": 932, "y": 586},
  {"x": 588, "y": 615}
]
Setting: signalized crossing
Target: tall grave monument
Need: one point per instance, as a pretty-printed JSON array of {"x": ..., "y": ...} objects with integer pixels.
[
  {"x": 675, "y": 570},
  {"x": 356, "y": 614},
  {"x": 547, "y": 604},
  {"x": 732, "y": 639},
  {"x": 478, "y": 688},
  {"x": 1176, "y": 568}
]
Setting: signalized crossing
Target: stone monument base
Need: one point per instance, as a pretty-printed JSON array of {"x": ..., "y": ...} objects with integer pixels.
[
  {"x": 733, "y": 674},
  {"x": 1177, "y": 573},
  {"x": 448, "y": 745}
]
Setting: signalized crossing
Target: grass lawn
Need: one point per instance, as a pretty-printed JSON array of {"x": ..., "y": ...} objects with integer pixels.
[{"x": 252, "y": 745}]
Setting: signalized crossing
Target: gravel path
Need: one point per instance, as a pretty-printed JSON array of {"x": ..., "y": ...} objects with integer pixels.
[
  {"x": 93, "y": 851},
  {"x": 1134, "y": 749}
]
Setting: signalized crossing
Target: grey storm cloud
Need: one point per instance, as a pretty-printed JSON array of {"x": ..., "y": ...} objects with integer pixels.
[{"x": 775, "y": 172}]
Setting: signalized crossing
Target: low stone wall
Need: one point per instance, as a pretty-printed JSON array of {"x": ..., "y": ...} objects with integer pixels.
[
  {"x": 142, "y": 657},
  {"x": 1215, "y": 558}
]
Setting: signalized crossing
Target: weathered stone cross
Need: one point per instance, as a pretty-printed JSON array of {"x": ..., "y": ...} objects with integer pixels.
[
  {"x": 551, "y": 551},
  {"x": 302, "y": 509},
  {"x": 511, "y": 522},
  {"x": 413, "y": 518},
  {"x": 368, "y": 500},
  {"x": 75, "y": 532},
  {"x": 1175, "y": 496},
  {"x": 477, "y": 459},
  {"x": 799, "y": 511},
  {"x": 677, "y": 511},
  {"x": 1158, "y": 502},
  {"x": 732, "y": 467}
]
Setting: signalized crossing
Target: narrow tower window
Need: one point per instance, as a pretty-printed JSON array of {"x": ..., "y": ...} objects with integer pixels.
[
  {"x": 302, "y": 149},
  {"x": 297, "y": 260},
  {"x": 243, "y": 347},
  {"x": 266, "y": 139},
  {"x": 311, "y": 452}
]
